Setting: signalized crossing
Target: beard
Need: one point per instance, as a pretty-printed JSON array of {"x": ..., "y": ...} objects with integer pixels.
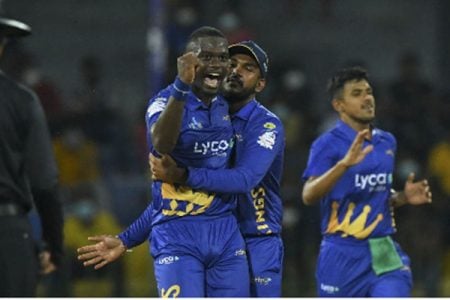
[
  {"x": 235, "y": 96},
  {"x": 234, "y": 91}
]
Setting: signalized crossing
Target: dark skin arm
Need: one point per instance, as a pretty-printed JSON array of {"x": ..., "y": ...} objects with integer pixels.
[
  {"x": 106, "y": 249},
  {"x": 165, "y": 131}
]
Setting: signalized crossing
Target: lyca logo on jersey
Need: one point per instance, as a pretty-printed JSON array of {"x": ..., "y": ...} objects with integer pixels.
[
  {"x": 215, "y": 147},
  {"x": 168, "y": 260},
  {"x": 375, "y": 182}
]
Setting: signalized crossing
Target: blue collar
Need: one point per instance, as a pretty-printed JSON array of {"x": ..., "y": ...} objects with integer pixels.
[
  {"x": 194, "y": 103},
  {"x": 245, "y": 112}
]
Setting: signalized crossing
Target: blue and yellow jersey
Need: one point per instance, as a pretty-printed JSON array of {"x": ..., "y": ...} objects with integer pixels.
[
  {"x": 205, "y": 141},
  {"x": 358, "y": 206},
  {"x": 256, "y": 174}
]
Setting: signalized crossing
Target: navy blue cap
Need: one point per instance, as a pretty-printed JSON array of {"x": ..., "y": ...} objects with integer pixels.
[{"x": 252, "y": 49}]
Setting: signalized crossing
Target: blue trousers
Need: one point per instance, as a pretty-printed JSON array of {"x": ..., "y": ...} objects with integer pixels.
[
  {"x": 344, "y": 269},
  {"x": 198, "y": 257},
  {"x": 265, "y": 256}
]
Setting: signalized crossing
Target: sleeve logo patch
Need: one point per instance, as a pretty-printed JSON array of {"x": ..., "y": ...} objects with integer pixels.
[
  {"x": 267, "y": 139},
  {"x": 270, "y": 125},
  {"x": 158, "y": 105}
]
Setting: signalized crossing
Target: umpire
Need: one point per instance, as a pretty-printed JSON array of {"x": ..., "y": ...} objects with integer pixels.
[{"x": 28, "y": 174}]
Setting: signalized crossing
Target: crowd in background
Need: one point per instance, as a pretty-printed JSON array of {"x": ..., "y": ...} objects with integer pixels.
[{"x": 102, "y": 158}]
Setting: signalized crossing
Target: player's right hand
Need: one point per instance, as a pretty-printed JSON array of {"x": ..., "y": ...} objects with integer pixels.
[
  {"x": 187, "y": 65},
  {"x": 164, "y": 168},
  {"x": 106, "y": 250},
  {"x": 356, "y": 153}
]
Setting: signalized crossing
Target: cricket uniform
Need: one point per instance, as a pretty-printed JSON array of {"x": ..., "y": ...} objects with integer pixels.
[
  {"x": 139, "y": 231},
  {"x": 195, "y": 240},
  {"x": 357, "y": 256},
  {"x": 255, "y": 179}
]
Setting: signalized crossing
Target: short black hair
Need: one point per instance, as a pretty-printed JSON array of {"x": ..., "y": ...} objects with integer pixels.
[
  {"x": 341, "y": 77},
  {"x": 204, "y": 31}
]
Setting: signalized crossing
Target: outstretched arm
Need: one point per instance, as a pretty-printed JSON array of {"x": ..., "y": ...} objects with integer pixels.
[
  {"x": 139, "y": 231},
  {"x": 106, "y": 249},
  {"x": 317, "y": 187}
]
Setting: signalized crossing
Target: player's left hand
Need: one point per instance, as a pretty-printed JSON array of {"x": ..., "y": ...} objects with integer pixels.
[
  {"x": 45, "y": 263},
  {"x": 417, "y": 193}
]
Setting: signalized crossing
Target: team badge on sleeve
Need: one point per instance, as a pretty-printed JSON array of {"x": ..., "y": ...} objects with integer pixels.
[
  {"x": 270, "y": 125},
  {"x": 158, "y": 105},
  {"x": 267, "y": 139}
]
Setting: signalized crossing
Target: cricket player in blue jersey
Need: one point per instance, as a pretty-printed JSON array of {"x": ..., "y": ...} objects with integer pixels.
[
  {"x": 256, "y": 175},
  {"x": 350, "y": 172},
  {"x": 196, "y": 244},
  {"x": 257, "y": 168}
]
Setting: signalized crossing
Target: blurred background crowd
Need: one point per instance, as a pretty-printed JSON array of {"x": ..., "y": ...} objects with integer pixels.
[{"x": 94, "y": 65}]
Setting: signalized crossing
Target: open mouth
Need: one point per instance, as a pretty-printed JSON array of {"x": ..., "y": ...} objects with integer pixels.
[
  {"x": 212, "y": 80},
  {"x": 368, "y": 107}
]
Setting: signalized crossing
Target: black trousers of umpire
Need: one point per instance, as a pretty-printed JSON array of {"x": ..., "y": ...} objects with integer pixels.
[{"x": 18, "y": 258}]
